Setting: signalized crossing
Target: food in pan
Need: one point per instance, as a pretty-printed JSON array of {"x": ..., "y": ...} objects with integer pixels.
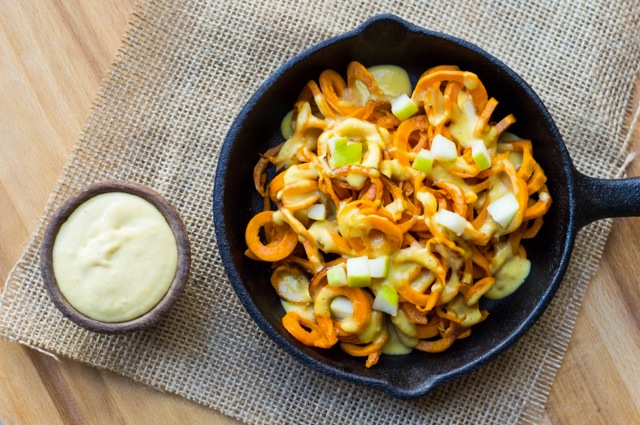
[{"x": 390, "y": 211}]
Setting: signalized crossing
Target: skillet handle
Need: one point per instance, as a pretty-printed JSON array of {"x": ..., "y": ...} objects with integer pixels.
[{"x": 604, "y": 198}]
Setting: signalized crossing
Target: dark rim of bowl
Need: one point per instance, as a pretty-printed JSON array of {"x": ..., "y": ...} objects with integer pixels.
[
  {"x": 221, "y": 232},
  {"x": 175, "y": 289}
]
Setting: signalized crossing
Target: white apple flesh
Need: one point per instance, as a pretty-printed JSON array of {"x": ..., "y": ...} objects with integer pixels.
[
  {"x": 317, "y": 212},
  {"x": 337, "y": 276},
  {"x": 341, "y": 308},
  {"x": 443, "y": 149},
  {"x": 358, "y": 274},
  {"x": 379, "y": 267},
  {"x": 386, "y": 300},
  {"x": 504, "y": 209},
  {"x": 451, "y": 220}
]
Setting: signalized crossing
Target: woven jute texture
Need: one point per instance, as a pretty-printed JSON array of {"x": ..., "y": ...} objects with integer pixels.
[{"x": 184, "y": 71}]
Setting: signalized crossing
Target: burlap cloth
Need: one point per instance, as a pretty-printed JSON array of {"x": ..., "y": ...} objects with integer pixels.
[{"x": 183, "y": 72}]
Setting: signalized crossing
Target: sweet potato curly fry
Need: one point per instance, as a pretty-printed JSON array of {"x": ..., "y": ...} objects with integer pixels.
[
  {"x": 349, "y": 187},
  {"x": 274, "y": 250},
  {"x": 259, "y": 170},
  {"x": 440, "y": 345}
]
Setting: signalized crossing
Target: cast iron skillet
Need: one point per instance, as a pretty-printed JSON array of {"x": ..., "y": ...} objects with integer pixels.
[{"x": 386, "y": 39}]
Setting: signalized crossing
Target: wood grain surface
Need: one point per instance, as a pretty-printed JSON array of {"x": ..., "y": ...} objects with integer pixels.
[{"x": 53, "y": 55}]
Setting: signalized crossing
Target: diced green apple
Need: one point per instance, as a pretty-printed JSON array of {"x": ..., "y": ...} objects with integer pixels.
[
  {"x": 317, "y": 212},
  {"x": 452, "y": 221},
  {"x": 337, "y": 276},
  {"x": 423, "y": 161},
  {"x": 379, "y": 267},
  {"x": 336, "y": 143},
  {"x": 347, "y": 155},
  {"x": 386, "y": 300},
  {"x": 481, "y": 155},
  {"x": 443, "y": 149},
  {"x": 341, "y": 308},
  {"x": 358, "y": 274},
  {"x": 403, "y": 107},
  {"x": 504, "y": 209}
]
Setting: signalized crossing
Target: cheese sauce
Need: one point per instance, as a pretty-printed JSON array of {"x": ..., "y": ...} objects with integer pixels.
[
  {"x": 509, "y": 277},
  {"x": 392, "y": 79},
  {"x": 115, "y": 257}
]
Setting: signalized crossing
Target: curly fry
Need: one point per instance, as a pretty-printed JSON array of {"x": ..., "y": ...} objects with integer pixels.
[
  {"x": 448, "y": 337},
  {"x": 275, "y": 250},
  {"x": 296, "y": 326}
]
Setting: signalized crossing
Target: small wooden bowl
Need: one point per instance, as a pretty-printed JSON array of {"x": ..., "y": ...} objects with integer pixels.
[{"x": 182, "y": 272}]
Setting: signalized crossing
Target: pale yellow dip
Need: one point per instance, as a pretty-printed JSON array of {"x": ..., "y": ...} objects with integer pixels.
[{"x": 115, "y": 257}]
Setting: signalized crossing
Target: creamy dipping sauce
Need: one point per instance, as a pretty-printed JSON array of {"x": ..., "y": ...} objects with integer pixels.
[{"x": 115, "y": 257}]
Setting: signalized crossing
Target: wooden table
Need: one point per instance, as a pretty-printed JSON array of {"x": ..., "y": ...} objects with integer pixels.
[{"x": 53, "y": 56}]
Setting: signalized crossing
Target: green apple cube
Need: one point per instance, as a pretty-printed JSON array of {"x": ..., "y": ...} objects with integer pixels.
[
  {"x": 386, "y": 300},
  {"x": 358, "y": 274},
  {"x": 423, "y": 161},
  {"x": 347, "y": 155},
  {"x": 336, "y": 143},
  {"x": 443, "y": 149},
  {"x": 480, "y": 155},
  {"x": 452, "y": 221},
  {"x": 317, "y": 212},
  {"x": 379, "y": 267},
  {"x": 403, "y": 107},
  {"x": 504, "y": 209},
  {"x": 337, "y": 276},
  {"x": 341, "y": 308}
]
